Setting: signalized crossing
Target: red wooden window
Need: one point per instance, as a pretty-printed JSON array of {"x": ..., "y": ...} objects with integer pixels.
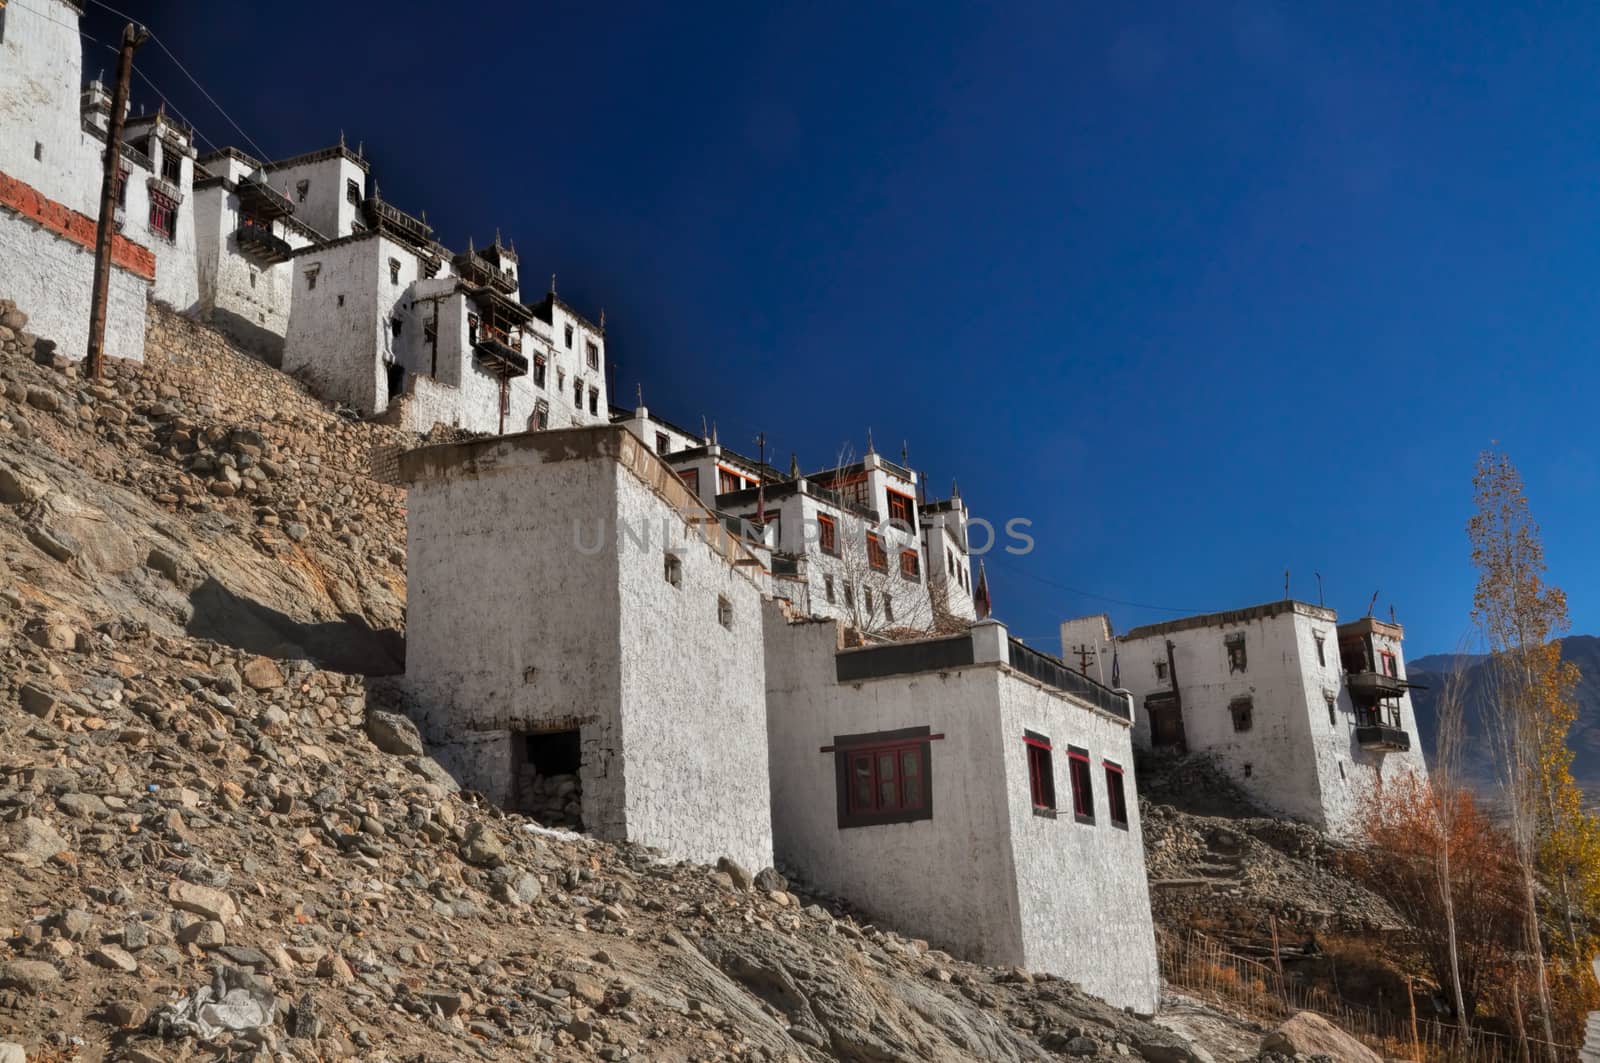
[
  {"x": 899, "y": 507},
  {"x": 910, "y": 565},
  {"x": 1082, "y": 789},
  {"x": 1391, "y": 667},
  {"x": 163, "y": 215},
  {"x": 1115, "y": 797},
  {"x": 691, "y": 477},
  {"x": 883, "y": 777},
  {"x": 728, "y": 481},
  {"x": 827, "y": 536},
  {"x": 1041, "y": 772},
  {"x": 876, "y": 557}
]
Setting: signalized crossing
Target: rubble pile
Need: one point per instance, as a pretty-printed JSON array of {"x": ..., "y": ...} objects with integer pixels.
[{"x": 216, "y": 842}]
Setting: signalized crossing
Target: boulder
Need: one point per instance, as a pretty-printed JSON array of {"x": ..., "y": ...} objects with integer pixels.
[
  {"x": 1309, "y": 1034},
  {"x": 262, "y": 673},
  {"x": 393, "y": 733},
  {"x": 33, "y": 841}
]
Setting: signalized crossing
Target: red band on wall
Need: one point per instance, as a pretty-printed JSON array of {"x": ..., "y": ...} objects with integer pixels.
[{"x": 69, "y": 224}]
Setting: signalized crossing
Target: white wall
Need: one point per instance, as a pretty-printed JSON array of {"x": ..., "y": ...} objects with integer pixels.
[
  {"x": 325, "y": 207},
  {"x": 248, "y": 300},
  {"x": 337, "y": 349},
  {"x": 176, "y": 283},
  {"x": 1084, "y": 897},
  {"x": 41, "y": 75},
  {"x": 516, "y": 622},
  {"x": 51, "y": 279}
]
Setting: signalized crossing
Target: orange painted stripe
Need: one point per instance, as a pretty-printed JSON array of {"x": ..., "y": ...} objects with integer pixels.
[{"x": 69, "y": 224}]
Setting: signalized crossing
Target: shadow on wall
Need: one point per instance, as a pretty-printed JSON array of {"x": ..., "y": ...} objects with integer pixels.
[
  {"x": 248, "y": 336},
  {"x": 350, "y": 645}
]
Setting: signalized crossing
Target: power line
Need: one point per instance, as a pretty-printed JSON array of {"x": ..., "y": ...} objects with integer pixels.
[{"x": 193, "y": 80}]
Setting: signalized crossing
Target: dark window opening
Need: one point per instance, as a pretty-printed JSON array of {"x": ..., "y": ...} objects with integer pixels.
[
  {"x": 674, "y": 570},
  {"x": 171, "y": 165},
  {"x": 311, "y": 278},
  {"x": 394, "y": 271},
  {"x": 1161, "y": 671},
  {"x": 849, "y": 595},
  {"x": 1116, "y": 797},
  {"x": 1236, "y": 655},
  {"x": 300, "y": 190},
  {"x": 163, "y": 215},
  {"x": 339, "y": 299},
  {"x": 1247, "y": 770},
  {"x": 888, "y": 608},
  {"x": 1082, "y": 785},
  {"x": 663, "y": 444},
  {"x": 827, "y": 588},
  {"x": 122, "y": 184},
  {"x": 1041, "y": 773},
  {"x": 910, "y": 565},
  {"x": 868, "y": 591},
  {"x": 38, "y": 151},
  {"x": 541, "y": 414},
  {"x": 352, "y": 192},
  {"x": 548, "y": 785},
  {"x": 1322, "y": 651},
  {"x": 594, "y": 400},
  {"x": 1332, "y": 716},
  {"x": 827, "y": 537},
  {"x": 724, "y": 612},
  {"x": 577, "y": 394},
  {"x": 691, "y": 480},
  {"x": 538, "y": 371},
  {"x": 883, "y": 777},
  {"x": 568, "y": 337},
  {"x": 593, "y": 350},
  {"x": 396, "y": 326},
  {"x": 899, "y": 507},
  {"x": 1243, "y": 712},
  {"x": 396, "y": 379}
]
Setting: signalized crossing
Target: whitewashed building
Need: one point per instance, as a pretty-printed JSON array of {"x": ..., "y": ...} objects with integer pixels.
[
  {"x": 51, "y": 149},
  {"x": 1307, "y": 715},
  {"x": 573, "y": 610},
  {"x": 968, "y": 790}
]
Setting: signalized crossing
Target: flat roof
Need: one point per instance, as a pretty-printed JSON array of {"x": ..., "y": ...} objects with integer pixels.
[{"x": 1234, "y": 616}]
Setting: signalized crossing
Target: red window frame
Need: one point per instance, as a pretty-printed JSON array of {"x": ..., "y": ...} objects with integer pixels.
[
  {"x": 1116, "y": 796},
  {"x": 163, "y": 215},
  {"x": 884, "y": 777},
  {"x": 691, "y": 479},
  {"x": 1389, "y": 664},
  {"x": 900, "y": 507},
  {"x": 729, "y": 480},
  {"x": 877, "y": 558},
  {"x": 827, "y": 535},
  {"x": 910, "y": 565},
  {"x": 1082, "y": 784},
  {"x": 1041, "y": 773}
]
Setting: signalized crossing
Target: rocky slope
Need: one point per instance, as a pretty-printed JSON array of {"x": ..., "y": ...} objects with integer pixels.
[{"x": 214, "y": 844}]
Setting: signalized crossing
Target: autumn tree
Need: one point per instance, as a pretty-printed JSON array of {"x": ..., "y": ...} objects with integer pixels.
[
  {"x": 1521, "y": 617},
  {"x": 1465, "y": 923}
]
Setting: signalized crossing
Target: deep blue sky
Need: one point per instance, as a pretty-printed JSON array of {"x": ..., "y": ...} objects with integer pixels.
[{"x": 1205, "y": 291}]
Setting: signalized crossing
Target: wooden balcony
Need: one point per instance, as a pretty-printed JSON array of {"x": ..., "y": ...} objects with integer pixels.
[
  {"x": 261, "y": 244},
  {"x": 1381, "y": 738},
  {"x": 500, "y": 357},
  {"x": 1371, "y": 686}
]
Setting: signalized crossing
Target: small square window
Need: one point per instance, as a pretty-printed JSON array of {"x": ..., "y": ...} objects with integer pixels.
[
  {"x": 1161, "y": 671},
  {"x": 883, "y": 777},
  {"x": 724, "y": 612},
  {"x": 352, "y": 192},
  {"x": 674, "y": 572},
  {"x": 663, "y": 444},
  {"x": 1243, "y": 712},
  {"x": 301, "y": 188},
  {"x": 1236, "y": 655},
  {"x": 827, "y": 535},
  {"x": 1041, "y": 773},
  {"x": 1082, "y": 786},
  {"x": 1116, "y": 797}
]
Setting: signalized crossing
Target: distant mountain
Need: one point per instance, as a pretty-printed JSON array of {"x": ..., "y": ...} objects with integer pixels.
[{"x": 1431, "y": 671}]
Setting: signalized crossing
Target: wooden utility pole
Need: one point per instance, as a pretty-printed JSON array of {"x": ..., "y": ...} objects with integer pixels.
[
  {"x": 131, "y": 39},
  {"x": 1084, "y": 653}
]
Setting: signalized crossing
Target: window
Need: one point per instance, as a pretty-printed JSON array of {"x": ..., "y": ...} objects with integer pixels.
[
  {"x": 561, "y": 378},
  {"x": 1242, "y": 709},
  {"x": 301, "y": 188},
  {"x": 568, "y": 336},
  {"x": 352, "y": 192},
  {"x": 827, "y": 536},
  {"x": 1332, "y": 700},
  {"x": 849, "y": 595},
  {"x": 875, "y": 554},
  {"x": 171, "y": 165},
  {"x": 1322, "y": 652},
  {"x": 691, "y": 478},
  {"x": 541, "y": 415},
  {"x": 868, "y": 599},
  {"x": 883, "y": 777},
  {"x": 663, "y": 444},
  {"x": 724, "y": 612},
  {"x": 1235, "y": 645},
  {"x": 827, "y": 587},
  {"x": 728, "y": 481},
  {"x": 888, "y": 608},
  {"x": 38, "y": 151},
  {"x": 339, "y": 300},
  {"x": 674, "y": 570},
  {"x": 950, "y": 561},
  {"x": 1116, "y": 797},
  {"x": 252, "y": 276},
  {"x": 395, "y": 324},
  {"x": 899, "y": 507},
  {"x": 577, "y": 392},
  {"x": 2, "y": 20},
  {"x": 122, "y": 187},
  {"x": 1391, "y": 666},
  {"x": 394, "y": 271},
  {"x": 472, "y": 330},
  {"x": 910, "y": 565},
  {"x": 594, "y": 400},
  {"x": 163, "y": 215},
  {"x": 538, "y": 371},
  {"x": 1082, "y": 789},
  {"x": 1041, "y": 773},
  {"x": 311, "y": 277},
  {"x": 592, "y": 349},
  {"x": 1161, "y": 671}
]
